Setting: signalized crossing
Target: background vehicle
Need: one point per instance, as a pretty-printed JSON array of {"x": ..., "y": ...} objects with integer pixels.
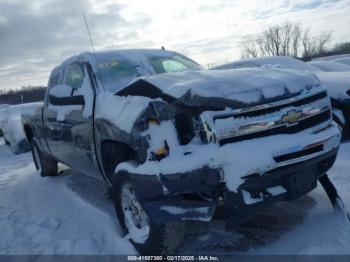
[
  {"x": 330, "y": 57},
  {"x": 337, "y": 83},
  {"x": 343, "y": 60},
  {"x": 12, "y": 127},
  {"x": 174, "y": 141},
  {"x": 3, "y": 110},
  {"x": 330, "y": 66}
]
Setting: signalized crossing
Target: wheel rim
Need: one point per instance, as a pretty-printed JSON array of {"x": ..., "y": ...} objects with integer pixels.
[
  {"x": 136, "y": 219},
  {"x": 36, "y": 158}
]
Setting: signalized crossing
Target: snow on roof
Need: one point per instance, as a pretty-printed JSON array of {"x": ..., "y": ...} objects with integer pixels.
[
  {"x": 330, "y": 66},
  {"x": 245, "y": 85},
  {"x": 337, "y": 83},
  {"x": 276, "y": 61},
  {"x": 136, "y": 56},
  {"x": 330, "y": 57},
  {"x": 344, "y": 60}
]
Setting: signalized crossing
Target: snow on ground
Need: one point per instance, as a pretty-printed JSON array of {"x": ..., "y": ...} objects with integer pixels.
[
  {"x": 45, "y": 216},
  {"x": 70, "y": 215}
]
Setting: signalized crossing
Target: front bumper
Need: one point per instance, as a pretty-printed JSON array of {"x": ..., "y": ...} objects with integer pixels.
[{"x": 195, "y": 195}]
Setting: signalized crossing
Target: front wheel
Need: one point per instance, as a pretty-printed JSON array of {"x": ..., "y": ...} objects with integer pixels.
[
  {"x": 148, "y": 238},
  {"x": 46, "y": 165}
]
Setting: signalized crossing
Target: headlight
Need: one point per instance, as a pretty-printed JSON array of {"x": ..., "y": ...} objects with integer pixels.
[{"x": 162, "y": 136}]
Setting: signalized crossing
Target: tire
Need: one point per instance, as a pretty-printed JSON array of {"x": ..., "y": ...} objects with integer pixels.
[
  {"x": 156, "y": 240},
  {"x": 46, "y": 165}
]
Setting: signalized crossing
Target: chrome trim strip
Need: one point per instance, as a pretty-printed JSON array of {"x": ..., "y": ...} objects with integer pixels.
[{"x": 271, "y": 121}]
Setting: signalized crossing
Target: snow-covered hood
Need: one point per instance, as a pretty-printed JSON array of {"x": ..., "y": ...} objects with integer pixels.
[
  {"x": 337, "y": 83},
  {"x": 249, "y": 85}
]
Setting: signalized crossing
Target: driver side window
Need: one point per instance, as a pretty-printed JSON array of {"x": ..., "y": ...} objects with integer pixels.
[{"x": 74, "y": 76}]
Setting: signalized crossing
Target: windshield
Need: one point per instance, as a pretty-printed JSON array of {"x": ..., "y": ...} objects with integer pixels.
[
  {"x": 176, "y": 63},
  {"x": 118, "y": 72}
]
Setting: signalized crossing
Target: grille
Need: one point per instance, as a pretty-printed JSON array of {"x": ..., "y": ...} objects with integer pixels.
[{"x": 301, "y": 125}]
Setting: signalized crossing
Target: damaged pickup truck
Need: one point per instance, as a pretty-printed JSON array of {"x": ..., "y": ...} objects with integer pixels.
[{"x": 174, "y": 141}]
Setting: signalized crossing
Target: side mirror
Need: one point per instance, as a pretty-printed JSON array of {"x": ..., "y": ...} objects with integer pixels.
[
  {"x": 61, "y": 95},
  {"x": 67, "y": 101}
]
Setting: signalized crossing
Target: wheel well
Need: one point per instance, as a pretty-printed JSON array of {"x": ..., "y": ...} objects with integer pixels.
[
  {"x": 28, "y": 132},
  {"x": 113, "y": 153}
]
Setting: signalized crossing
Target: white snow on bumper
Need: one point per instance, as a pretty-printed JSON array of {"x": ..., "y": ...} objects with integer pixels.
[{"x": 239, "y": 159}]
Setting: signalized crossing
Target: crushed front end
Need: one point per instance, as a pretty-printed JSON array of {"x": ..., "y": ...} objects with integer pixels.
[{"x": 246, "y": 158}]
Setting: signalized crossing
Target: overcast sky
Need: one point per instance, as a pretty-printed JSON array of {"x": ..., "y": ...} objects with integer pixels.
[{"x": 36, "y": 35}]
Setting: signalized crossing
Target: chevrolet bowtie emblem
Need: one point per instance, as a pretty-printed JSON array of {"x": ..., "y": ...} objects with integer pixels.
[{"x": 291, "y": 117}]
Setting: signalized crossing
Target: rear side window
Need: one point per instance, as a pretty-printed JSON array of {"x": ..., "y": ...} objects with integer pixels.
[{"x": 74, "y": 76}]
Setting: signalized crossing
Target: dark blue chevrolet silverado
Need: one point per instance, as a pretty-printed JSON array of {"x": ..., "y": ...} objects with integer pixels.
[{"x": 176, "y": 142}]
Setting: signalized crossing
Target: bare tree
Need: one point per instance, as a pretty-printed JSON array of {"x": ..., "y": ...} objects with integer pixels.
[
  {"x": 249, "y": 48},
  {"x": 287, "y": 39},
  {"x": 313, "y": 45}
]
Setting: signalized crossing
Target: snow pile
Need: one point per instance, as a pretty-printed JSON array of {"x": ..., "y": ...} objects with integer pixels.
[
  {"x": 158, "y": 133},
  {"x": 60, "y": 91},
  {"x": 234, "y": 159},
  {"x": 246, "y": 85},
  {"x": 119, "y": 110}
]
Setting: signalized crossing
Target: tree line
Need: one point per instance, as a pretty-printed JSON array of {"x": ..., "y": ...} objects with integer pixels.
[
  {"x": 286, "y": 39},
  {"x": 290, "y": 39},
  {"x": 24, "y": 95}
]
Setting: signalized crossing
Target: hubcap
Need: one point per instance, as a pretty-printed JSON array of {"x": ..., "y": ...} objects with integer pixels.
[{"x": 136, "y": 219}]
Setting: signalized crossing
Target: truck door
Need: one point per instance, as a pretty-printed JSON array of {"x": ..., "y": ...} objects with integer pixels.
[{"x": 69, "y": 120}]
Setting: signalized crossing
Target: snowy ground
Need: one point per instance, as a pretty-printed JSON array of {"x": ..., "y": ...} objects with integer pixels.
[{"x": 70, "y": 215}]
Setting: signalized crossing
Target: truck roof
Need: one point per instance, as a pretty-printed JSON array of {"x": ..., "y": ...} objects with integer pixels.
[{"x": 134, "y": 55}]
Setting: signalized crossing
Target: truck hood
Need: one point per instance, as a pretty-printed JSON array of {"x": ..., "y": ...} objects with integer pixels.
[{"x": 232, "y": 87}]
